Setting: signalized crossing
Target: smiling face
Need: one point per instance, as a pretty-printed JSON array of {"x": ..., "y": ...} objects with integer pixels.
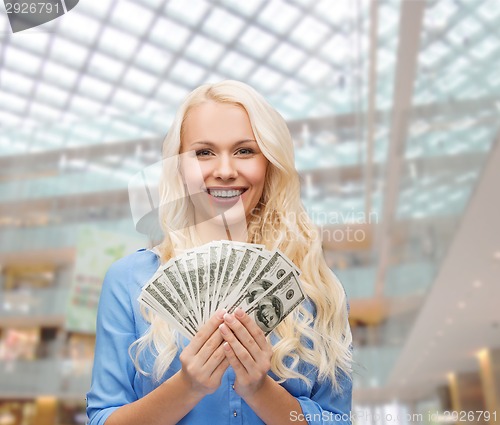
[{"x": 232, "y": 166}]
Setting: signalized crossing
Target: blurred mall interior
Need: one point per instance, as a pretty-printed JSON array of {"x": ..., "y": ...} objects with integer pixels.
[{"x": 394, "y": 110}]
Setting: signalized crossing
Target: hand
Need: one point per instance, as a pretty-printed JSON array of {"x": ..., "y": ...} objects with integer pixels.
[
  {"x": 203, "y": 360},
  {"x": 247, "y": 351}
]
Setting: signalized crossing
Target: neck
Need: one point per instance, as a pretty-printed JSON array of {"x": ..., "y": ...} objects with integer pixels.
[{"x": 216, "y": 229}]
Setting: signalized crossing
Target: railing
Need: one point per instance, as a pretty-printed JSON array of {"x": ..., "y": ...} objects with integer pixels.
[
  {"x": 59, "y": 377},
  {"x": 34, "y": 302}
]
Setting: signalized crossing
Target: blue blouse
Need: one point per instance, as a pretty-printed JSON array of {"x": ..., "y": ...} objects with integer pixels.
[{"x": 115, "y": 381}]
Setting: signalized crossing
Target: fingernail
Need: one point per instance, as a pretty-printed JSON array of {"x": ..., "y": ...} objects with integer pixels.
[
  {"x": 239, "y": 312},
  {"x": 223, "y": 328},
  {"x": 220, "y": 314},
  {"x": 229, "y": 318},
  {"x": 226, "y": 346}
]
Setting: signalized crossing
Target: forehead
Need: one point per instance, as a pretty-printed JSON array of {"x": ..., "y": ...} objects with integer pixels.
[{"x": 213, "y": 121}]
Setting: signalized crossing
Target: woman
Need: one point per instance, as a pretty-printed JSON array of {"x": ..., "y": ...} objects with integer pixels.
[{"x": 237, "y": 178}]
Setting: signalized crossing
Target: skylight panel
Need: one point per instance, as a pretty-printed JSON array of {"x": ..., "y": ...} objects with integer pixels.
[
  {"x": 24, "y": 62},
  {"x": 484, "y": 48},
  {"x": 188, "y": 72},
  {"x": 127, "y": 100},
  {"x": 103, "y": 66},
  {"x": 79, "y": 27},
  {"x": 34, "y": 43},
  {"x": 293, "y": 86},
  {"x": 256, "y": 42},
  {"x": 309, "y": 32},
  {"x": 69, "y": 53},
  {"x": 338, "y": 15},
  {"x": 488, "y": 10},
  {"x": 132, "y": 17},
  {"x": 124, "y": 128},
  {"x": 192, "y": 14},
  {"x": 59, "y": 75},
  {"x": 223, "y": 24},
  {"x": 117, "y": 43},
  {"x": 445, "y": 10},
  {"x": 140, "y": 81},
  {"x": 235, "y": 65},
  {"x": 314, "y": 70},
  {"x": 297, "y": 102},
  {"x": 279, "y": 16},
  {"x": 215, "y": 77},
  {"x": 337, "y": 50},
  {"x": 468, "y": 27},
  {"x": 9, "y": 119},
  {"x": 88, "y": 132},
  {"x": 51, "y": 137},
  {"x": 94, "y": 88},
  {"x": 14, "y": 103},
  {"x": 99, "y": 9},
  {"x": 51, "y": 95},
  {"x": 203, "y": 50},
  {"x": 84, "y": 106},
  {"x": 152, "y": 58},
  {"x": 44, "y": 112},
  {"x": 286, "y": 57},
  {"x": 247, "y": 7},
  {"x": 266, "y": 79},
  {"x": 433, "y": 54},
  {"x": 15, "y": 82},
  {"x": 168, "y": 33},
  {"x": 171, "y": 93}
]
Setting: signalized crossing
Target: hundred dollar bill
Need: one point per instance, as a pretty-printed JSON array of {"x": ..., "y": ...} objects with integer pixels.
[
  {"x": 277, "y": 303},
  {"x": 223, "y": 257},
  {"x": 189, "y": 261},
  {"x": 202, "y": 278},
  {"x": 236, "y": 253},
  {"x": 213, "y": 263},
  {"x": 244, "y": 269},
  {"x": 180, "y": 286},
  {"x": 230, "y": 267},
  {"x": 163, "y": 307},
  {"x": 186, "y": 287},
  {"x": 146, "y": 302},
  {"x": 177, "y": 301},
  {"x": 262, "y": 263}
]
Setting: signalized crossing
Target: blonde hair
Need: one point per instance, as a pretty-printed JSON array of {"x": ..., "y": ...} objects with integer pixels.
[{"x": 322, "y": 338}]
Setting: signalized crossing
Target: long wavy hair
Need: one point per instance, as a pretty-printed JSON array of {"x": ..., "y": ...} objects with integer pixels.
[{"x": 321, "y": 337}]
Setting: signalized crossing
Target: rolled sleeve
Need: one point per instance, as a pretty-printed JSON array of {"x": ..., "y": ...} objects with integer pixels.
[
  {"x": 113, "y": 372},
  {"x": 326, "y": 406}
]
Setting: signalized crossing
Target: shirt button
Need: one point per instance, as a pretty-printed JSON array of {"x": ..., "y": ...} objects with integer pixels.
[
  {"x": 235, "y": 413},
  {"x": 232, "y": 386}
]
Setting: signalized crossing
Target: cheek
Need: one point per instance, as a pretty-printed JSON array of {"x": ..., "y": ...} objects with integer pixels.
[
  {"x": 194, "y": 174},
  {"x": 256, "y": 173}
]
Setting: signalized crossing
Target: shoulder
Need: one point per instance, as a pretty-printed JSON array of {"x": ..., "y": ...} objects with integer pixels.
[{"x": 132, "y": 270}]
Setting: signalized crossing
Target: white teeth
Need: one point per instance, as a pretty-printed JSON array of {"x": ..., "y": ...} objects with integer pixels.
[{"x": 225, "y": 193}]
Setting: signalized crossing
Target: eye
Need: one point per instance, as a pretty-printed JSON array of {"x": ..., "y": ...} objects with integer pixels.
[
  {"x": 203, "y": 152},
  {"x": 245, "y": 151}
]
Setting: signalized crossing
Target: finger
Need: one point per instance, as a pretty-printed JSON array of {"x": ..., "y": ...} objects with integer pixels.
[
  {"x": 252, "y": 328},
  {"x": 215, "y": 358},
  {"x": 243, "y": 335},
  {"x": 237, "y": 347},
  {"x": 221, "y": 368},
  {"x": 205, "y": 332},
  {"x": 233, "y": 360},
  {"x": 210, "y": 346}
]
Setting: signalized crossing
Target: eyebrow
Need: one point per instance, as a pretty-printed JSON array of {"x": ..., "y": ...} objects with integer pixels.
[{"x": 208, "y": 143}]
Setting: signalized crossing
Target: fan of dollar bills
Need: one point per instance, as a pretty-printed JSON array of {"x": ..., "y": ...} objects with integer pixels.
[{"x": 190, "y": 288}]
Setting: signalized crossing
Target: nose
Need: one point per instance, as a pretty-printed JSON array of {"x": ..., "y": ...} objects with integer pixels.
[{"x": 225, "y": 168}]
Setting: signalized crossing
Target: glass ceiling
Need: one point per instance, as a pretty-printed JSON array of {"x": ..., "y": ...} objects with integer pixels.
[{"x": 108, "y": 76}]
